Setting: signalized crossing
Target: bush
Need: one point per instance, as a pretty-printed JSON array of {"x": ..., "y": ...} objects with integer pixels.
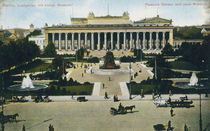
[
  {"x": 127, "y": 59},
  {"x": 93, "y": 60}
]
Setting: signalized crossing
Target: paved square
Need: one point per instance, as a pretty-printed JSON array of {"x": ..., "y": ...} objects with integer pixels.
[{"x": 95, "y": 115}]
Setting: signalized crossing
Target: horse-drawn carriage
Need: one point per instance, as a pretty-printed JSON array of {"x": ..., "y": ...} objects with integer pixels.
[
  {"x": 121, "y": 109},
  {"x": 8, "y": 118},
  {"x": 183, "y": 102}
]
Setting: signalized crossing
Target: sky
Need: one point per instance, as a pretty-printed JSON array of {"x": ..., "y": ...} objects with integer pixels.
[{"x": 22, "y": 13}]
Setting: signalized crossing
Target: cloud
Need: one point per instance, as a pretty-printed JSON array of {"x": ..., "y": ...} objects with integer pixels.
[
  {"x": 207, "y": 11},
  {"x": 80, "y": 8}
]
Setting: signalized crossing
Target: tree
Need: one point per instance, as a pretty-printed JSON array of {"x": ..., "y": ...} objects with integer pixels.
[
  {"x": 187, "y": 33},
  {"x": 17, "y": 52},
  {"x": 50, "y": 50},
  {"x": 167, "y": 50},
  {"x": 59, "y": 65},
  {"x": 139, "y": 54},
  {"x": 1, "y": 43},
  {"x": 80, "y": 53},
  {"x": 57, "y": 62}
]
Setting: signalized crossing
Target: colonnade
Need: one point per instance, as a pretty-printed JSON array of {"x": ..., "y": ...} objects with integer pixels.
[{"x": 145, "y": 40}]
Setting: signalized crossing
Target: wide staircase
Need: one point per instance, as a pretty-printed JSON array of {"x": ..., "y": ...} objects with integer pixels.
[{"x": 102, "y": 53}]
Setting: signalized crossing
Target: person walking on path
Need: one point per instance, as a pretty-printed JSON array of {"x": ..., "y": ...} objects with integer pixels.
[
  {"x": 172, "y": 112},
  {"x": 169, "y": 126},
  {"x": 185, "y": 127},
  {"x": 106, "y": 96}
]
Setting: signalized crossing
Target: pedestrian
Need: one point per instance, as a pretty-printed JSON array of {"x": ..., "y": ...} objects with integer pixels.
[
  {"x": 169, "y": 99},
  {"x": 169, "y": 126},
  {"x": 153, "y": 95},
  {"x": 206, "y": 94},
  {"x": 50, "y": 127},
  {"x": 142, "y": 93},
  {"x": 106, "y": 95},
  {"x": 171, "y": 112},
  {"x": 103, "y": 85},
  {"x": 82, "y": 74},
  {"x": 23, "y": 129},
  {"x": 185, "y": 127},
  {"x": 109, "y": 79},
  {"x": 170, "y": 93}
]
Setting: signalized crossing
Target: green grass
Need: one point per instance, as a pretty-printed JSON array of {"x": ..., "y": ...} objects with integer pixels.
[
  {"x": 182, "y": 65},
  {"x": 147, "y": 89},
  {"x": 38, "y": 68},
  {"x": 79, "y": 90}
]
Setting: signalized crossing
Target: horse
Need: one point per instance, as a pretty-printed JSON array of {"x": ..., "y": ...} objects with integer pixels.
[
  {"x": 113, "y": 111},
  {"x": 12, "y": 117},
  {"x": 129, "y": 108}
]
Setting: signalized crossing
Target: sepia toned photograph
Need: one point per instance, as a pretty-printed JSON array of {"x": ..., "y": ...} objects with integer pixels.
[{"x": 104, "y": 65}]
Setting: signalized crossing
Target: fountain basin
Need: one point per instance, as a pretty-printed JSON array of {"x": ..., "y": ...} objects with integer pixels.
[
  {"x": 188, "y": 86},
  {"x": 18, "y": 87}
]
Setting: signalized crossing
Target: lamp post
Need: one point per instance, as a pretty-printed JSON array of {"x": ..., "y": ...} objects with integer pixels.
[
  {"x": 76, "y": 56},
  {"x": 2, "y": 106},
  {"x": 141, "y": 56},
  {"x": 130, "y": 81},
  {"x": 155, "y": 68},
  {"x": 200, "y": 121}
]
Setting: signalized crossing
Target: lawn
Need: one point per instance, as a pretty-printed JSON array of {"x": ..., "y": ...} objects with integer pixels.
[
  {"x": 39, "y": 67},
  {"x": 182, "y": 65},
  {"x": 78, "y": 90},
  {"x": 147, "y": 88}
]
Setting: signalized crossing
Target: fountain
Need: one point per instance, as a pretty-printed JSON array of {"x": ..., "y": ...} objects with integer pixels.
[
  {"x": 27, "y": 85},
  {"x": 192, "y": 84},
  {"x": 27, "y": 82},
  {"x": 193, "y": 80}
]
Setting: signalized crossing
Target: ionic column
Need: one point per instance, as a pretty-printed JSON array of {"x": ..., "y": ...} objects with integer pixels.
[
  {"x": 85, "y": 39},
  {"x": 124, "y": 37},
  {"x": 163, "y": 40},
  {"x": 66, "y": 42},
  {"x": 53, "y": 38},
  {"x": 72, "y": 42},
  {"x": 157, "y": 41},
  {"x": 105, "y": 41},
  {"x": 59, "y": 41},
  {"x": 131, "y": 40},
  {"x": 92, "y": 41},
  {"x": 143, "y": 41},
  {"x": 118, "y": 40},
  {"x": 150, "y": 40},
  {"x": 79, "y": 41},
  {"x": 171, "y": 37},
  {"x": 137, "y": 40},
  {"x": 111, "y": 40},
  {"x": 99, "y": 41}
]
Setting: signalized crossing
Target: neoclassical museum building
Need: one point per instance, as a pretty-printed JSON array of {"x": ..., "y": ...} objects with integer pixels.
[{"x": 111, "y": 33}]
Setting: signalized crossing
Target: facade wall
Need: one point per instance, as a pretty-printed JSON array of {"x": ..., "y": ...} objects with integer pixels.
[
  {"x": 39, "y": 42},
  {"x": 113, "y": 38}
]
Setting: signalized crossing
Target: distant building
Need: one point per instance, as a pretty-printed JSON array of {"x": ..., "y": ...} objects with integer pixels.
[
  {"x": 205, "y": 30},
  {"x": 39, "y": 40},
  {"x": 1, "y": 35},
  {"x": 178, "y": 42},
  {"x": 111, "y": 32}
]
